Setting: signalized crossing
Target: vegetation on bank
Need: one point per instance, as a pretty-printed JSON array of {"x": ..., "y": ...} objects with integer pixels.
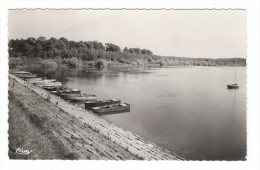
[
  {"x": 67, "y": 53},
  {"x": 28, "y": 132}
]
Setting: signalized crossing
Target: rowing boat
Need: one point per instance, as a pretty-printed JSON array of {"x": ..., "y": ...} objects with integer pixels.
[
  {"x": 65, "y": 91},
  {"x": 69, "y": 91},
  {"x": 112, "y": 108},
  {"x": 27, "y": 75},
  {"x": 48, "y": 84},
  {"x": 81, "y": 97},
  {"x": 53, "y": 88},
  {"x": 19, "y": 72},
  {"x": 42, "y": 81},
  {"x": 90, "y": 104},
  {"x": 33, "y": 79}
]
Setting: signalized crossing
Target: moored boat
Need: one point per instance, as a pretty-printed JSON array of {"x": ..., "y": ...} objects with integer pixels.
[
  {"x": 14, "y": 69},
  {"x": 42, "y": 81},
  {"x": 90, "y": 104},
  {"x": 19, "y": 72},
  {"x": 27, "y": 75},
  {"x": 70, "y": 91},
  {"x": 65, "y": 91},
  {"x": 233, "y": 86},
  {"x": 123, "y": 107},
  {"x": 48, "y": 84},
  {"x": 81, "y": 97},
  {"x": 34, "y": 79},
  {"x": 55, "y": 92},
  {"x": 53, "y": 88},
  {"x": 70, "y": 94}
]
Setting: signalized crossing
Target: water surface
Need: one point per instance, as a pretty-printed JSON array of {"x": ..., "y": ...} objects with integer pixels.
[{"x": 187, "y": 110}]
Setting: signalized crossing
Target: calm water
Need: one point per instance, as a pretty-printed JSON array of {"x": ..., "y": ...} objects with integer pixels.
[{"x": 187, "y": 110}]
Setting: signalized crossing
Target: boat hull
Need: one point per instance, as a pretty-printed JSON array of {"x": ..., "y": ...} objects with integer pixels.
[
  {"x": 49, "y": 84},
  {"x": 111, "y": 108},
  {"x": 65, "y": 91},
  {"x": 54, "y": 88},
  {"x": 27, "y": 75},
  {"x": 88, "y": 105},
  {"x": 232, "y": 86},
  {"x": 19, "y": 72},
  {"x": 33, "y": 79},
  {"x": 81, "y": 97},
  {"x": 42, "y": 81}
]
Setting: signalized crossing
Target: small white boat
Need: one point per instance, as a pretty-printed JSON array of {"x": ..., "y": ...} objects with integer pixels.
[
  {"x": 19, "y": 72},
  {"x": 42, "y": 81},
  {"x": 25, "y": 76},
  {"x": 48, "y": 84},
  {"x": 81, "y": 97},
  {"x": 33, "y": 79},
  {"x": 112, "y": 108}
]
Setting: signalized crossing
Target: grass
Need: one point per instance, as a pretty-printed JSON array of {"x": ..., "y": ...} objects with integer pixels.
[
  {"x": 22, "y": 133},
  {"x": 28, "y": 131}
]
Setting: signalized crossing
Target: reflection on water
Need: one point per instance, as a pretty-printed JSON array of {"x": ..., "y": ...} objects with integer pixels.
[
  {"x": 114, "y": 112},
  {"x": 187, "y": 110}
]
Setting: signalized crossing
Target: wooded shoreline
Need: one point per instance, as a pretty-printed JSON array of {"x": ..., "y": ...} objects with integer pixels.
[{"x": 61, "y": 52}]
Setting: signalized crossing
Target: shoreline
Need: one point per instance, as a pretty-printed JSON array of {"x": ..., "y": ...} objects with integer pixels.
[{"x": 130, "y": 142}]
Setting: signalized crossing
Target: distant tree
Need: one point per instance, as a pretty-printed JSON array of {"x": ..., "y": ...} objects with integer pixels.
[
  {"x": 126, "y": 50},
  {"x": 112, "y": 47},
  {"x": 131, "y": 50},
  {"x": 146, "y": 52},
  {"x": 53, "y": 39},
  {"x": 41, "y": 38}
]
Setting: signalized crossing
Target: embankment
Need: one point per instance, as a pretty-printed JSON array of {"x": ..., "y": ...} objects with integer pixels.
[{"x": 83, "y": 134}]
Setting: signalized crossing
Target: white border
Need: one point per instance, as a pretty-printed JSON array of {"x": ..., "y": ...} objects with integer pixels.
[{"x": 253, "y": 28}]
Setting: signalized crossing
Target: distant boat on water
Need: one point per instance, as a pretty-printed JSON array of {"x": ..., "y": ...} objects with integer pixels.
[{"x": 235, "y": 85}]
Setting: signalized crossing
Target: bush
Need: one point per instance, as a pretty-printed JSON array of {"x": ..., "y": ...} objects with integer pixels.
[
  {"x": 139, "y": 62},
  {"x": 49, "y": 64},
  {"x": 101, "y": 63},
  {"x": 72, "y": 62},
  {"x": 58, "y": 60},
  {"x": 162, "y": 63}
]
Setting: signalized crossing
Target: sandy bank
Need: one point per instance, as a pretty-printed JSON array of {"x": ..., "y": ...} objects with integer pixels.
[{"x": 78, "y": 121}]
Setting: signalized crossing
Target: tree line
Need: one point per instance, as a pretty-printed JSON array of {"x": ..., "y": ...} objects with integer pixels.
[{"x": 93, "y": 51}]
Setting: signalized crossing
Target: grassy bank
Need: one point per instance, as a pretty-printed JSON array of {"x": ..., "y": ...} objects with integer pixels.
[
  {"x": 27, "y": 132},
  {"x": 51, "y": 133}
]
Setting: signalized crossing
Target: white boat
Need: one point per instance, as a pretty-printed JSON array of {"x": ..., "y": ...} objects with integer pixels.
[
  {"x": 49, "y": 84},
  {"x": 42, "y": 81},
  {"x": 19, "y": 72},
  {"x": 33, "y": 79}
]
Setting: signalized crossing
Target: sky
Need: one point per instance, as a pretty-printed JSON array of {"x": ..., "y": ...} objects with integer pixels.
[{"x": 181, "y": 33}]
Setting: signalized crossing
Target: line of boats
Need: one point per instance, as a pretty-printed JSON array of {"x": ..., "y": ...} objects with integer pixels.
[{"x": 74, "y": 95}]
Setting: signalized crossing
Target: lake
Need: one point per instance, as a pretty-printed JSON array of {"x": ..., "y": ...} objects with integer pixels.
[{"x": 187, "y": 110}]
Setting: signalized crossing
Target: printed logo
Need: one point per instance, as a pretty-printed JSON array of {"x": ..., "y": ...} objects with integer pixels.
[{"x": 23, "y": 152}]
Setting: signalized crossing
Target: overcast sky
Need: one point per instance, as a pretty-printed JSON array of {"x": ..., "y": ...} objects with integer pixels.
[{"x": 182, "y": 33}]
